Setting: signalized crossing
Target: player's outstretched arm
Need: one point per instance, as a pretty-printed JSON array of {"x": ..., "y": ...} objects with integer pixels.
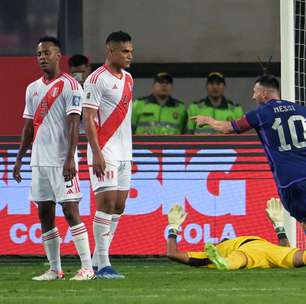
[
  {"x": 275, "y": 213},
  {"x": 69, "y": 170},
  {"x": 176, "y": 217},
  {"x": 98, "y": 163},
  {"x": 220, "y": 126},
  {"x": 26, "y": 140}
]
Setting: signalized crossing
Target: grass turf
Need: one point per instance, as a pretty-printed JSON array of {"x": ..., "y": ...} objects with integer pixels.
[{"x": 153, "y": 281}]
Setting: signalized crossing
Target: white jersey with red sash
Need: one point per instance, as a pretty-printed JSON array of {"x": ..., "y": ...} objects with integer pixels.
[
  {"x": 112, "y": 97},
  {"x": 48, "y": 103}
]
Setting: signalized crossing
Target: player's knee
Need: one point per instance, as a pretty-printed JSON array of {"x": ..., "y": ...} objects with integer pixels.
[
  {"x": 46, "y": 217},
  {"x": 118, "y": 210},
  {"x": 71, "y": 215}
]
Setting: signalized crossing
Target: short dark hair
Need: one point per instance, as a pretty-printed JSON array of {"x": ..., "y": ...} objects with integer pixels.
[
  {"x": 54, "y": 40},
  {"x": 268, "y": 81},
  {"x": 118, "y": 36},
  {"x": 77, "y": 60}
]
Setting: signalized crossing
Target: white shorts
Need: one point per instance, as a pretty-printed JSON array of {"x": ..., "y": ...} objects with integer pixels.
[
  {"x": 117, "y": 177},
  {"x": 48, "y": 184}
]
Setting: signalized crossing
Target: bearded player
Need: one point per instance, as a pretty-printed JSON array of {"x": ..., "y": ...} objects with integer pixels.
[{"x": 281, "y": 127}]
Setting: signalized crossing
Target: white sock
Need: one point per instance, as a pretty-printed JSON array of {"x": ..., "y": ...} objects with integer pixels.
[
  {"x": 113, "y": 227},
  {"x": 80, "y": 239},
  {"x": 51, "y": 241},
  {"x": 101, "y": 229},
  {"x": 95, "y": 258}
]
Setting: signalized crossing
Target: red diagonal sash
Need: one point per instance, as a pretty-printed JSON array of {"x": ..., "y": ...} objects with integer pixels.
[
  {"x": 115, "y": 119},
  {"x": 46, "y": 103}
]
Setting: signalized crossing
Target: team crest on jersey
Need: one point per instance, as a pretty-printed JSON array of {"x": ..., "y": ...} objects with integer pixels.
[
  {"x": 126, "y": 100},
  {"x": 54, "y": 92},
  {"x": 76, "y": 101},
  {"x": 88, "y": 95}
]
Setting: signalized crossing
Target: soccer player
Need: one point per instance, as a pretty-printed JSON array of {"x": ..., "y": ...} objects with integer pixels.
[
  {"x": 281, "y": 127},
  {"x": 52, "y": 115},
  {"x": 107, "y": 117},
  {"x": 241, "y": 252},
  {"x": 79, "y": 67}
]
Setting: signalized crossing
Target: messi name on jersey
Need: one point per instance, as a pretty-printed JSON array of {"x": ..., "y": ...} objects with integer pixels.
[{"x": 283, "y": 108}]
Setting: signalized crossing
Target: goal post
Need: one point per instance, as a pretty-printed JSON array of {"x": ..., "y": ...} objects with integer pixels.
[{"x": 287, "y": 28}]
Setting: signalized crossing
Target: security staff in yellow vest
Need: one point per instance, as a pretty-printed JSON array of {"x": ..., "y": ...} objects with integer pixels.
[
  {"x": 159, "y": 113},
  {"x": 215, "y": 105}
]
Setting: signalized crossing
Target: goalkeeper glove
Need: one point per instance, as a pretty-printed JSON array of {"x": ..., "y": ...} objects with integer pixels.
[
  {"x": 176, "y": 217},
  {"x": 275, "y": 212},
  {"x": 276, "y": 215}
]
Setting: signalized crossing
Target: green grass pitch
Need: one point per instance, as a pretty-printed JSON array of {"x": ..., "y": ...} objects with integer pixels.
[{"x": 152, "y": 281}]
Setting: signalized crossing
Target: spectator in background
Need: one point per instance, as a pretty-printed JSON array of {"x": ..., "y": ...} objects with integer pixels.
[
  {"x": 215, "y": 105},
  {"x": 159, "y": 113},
  {"x": 79, "y": 68}
]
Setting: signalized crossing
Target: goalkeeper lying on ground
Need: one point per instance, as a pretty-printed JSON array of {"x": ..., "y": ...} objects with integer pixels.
[{"x": 241, "y": 252}]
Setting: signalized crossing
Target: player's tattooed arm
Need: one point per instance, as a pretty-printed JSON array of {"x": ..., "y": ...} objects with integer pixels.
[
  {"x": 98, "y": 162},
  {"x": 26, "y": 140},
  {"x": 220, "y": 126},
  {"x": 69, "y": 170}
]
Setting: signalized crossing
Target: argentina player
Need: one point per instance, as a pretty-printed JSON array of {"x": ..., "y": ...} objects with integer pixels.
[{"x": 281, "y": 127}]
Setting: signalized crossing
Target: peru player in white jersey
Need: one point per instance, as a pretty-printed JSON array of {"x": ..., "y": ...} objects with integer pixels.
[
  {"x": 52, "y": 116},
  {"x": 107, "y": 109}
]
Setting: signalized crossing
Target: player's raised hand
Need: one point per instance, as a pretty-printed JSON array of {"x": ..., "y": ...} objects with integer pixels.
[
  {"x": 98, "y": 164},
  {"x": 275, "y": 212},
  {"x": 176, "y": 216},
  {"x": 201, "y": 120},
  {"x": 16, "y": 171},
  {"x": 69, "y": 170}
]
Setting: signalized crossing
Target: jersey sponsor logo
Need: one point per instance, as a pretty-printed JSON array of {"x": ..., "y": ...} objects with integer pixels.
[
  {"x": 76, "y": 101},
  {"x": 115, "y": 87},
  {"x": 88, "y": 95},
  {"x": 35, "y": 94}
]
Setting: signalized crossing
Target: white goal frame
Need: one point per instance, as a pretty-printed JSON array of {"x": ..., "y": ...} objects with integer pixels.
[{"x": 287, "y": 30}]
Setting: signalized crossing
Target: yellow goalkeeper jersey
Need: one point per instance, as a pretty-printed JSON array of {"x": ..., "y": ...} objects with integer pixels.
[
  {"x": 260, "y": 253},
  {"x": 225, "y": 247}
]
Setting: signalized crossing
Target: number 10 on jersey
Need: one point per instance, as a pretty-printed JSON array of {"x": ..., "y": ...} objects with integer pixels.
[{"x": 279, "y": 127}]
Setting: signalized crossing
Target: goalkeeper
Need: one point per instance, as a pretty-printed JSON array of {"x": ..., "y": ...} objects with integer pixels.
[{"x": 241, "y": 252}]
